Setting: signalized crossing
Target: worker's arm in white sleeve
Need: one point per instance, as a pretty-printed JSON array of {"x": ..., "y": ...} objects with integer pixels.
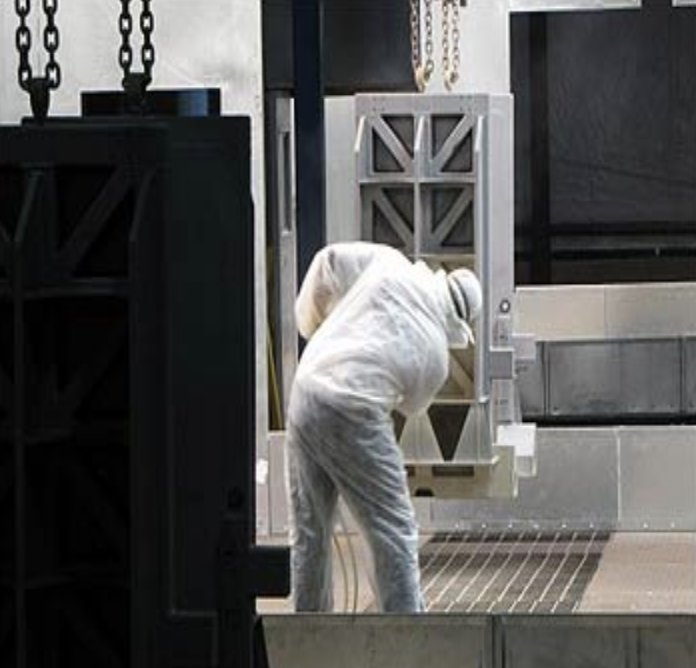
[
  {"x": 316, "y": 294},
  {"x": 332, "y": 273}
]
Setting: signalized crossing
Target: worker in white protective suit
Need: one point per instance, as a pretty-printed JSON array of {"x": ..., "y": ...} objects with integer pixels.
[{"x": 379, "y": 329}]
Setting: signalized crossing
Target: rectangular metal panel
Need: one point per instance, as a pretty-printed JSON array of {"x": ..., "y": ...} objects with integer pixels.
[
  {"x": 689, "y": 370},
  {"x": 263, "y": 498},
  {"x": 435, "y": 641},
  {"x": 668, "y": 643},
  {"x": 532, "y": 385},
  {"x": 561, "y": 312},
  {"x": 342, "y": 219},
  {"x": 657, "y": 478},
  {"x": 278, "y": 496},
  {"x": 500, "y": 174},
  {"x": 597, "y": 641},
  {"x": 576, "y": 485},
  {"x": 534, "y": 644},
  {"x": 650, "y": 310},
  {"x": 208, "y": 346},
  {"x": 464, "y": 641},
  {"x": 614, "y": 378},
  {"x": 607, "y": 311}
]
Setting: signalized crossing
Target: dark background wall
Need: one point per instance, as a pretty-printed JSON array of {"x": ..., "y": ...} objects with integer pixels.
[
  {"x": 366, "y": 45},
  {"x": 605, "y": 144},
  {"x": 605, "y": 171}
]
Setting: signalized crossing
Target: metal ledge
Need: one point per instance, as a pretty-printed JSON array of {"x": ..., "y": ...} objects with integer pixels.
[
  {"x": 591, "y": 312},
  {"x": 476, "y": 641}
]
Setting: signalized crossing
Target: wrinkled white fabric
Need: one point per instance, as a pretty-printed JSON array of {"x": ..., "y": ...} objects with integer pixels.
[
  {"x": 333, "y": 271},
  {"x": 391, "y": 325},
  {"x": 381, "y": 327},
  {"x": 352, "y": 453}
]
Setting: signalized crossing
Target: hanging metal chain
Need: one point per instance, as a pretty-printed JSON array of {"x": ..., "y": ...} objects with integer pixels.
[
  {"x": 450, "y": 40},
  {"x": 147, "y": 27},
  {"x": 125, "y": 27},
  {"x": 445, "y": 38},
  {"x": 135, "y": 83},
  {"x": 51, "y": 39},
  {"x": 23, "y": 43},
  {"x": 456, "y": 53},
  {"x": 51, "y": 42},
  {"x": 415, "y": 39},
  {"x": 429, "y": 43},
  {"x": 422, "y": 71},
  {"x": 39, "y": 88}
]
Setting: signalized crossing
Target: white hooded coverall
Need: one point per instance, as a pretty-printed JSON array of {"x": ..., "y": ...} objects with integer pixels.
[{"x": 379, "y": 329}]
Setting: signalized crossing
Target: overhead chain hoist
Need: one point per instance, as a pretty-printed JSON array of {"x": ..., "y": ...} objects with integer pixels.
[
  {"x": 423, "y": 47},
  {"x": 38, "y": 88},
  {"x": 135, "y": 84}
]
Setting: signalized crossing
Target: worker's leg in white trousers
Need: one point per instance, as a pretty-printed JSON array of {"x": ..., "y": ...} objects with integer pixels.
[
  {"x": 376, "y": 491},
  {"x": 356, "y": 452},
  {"x": 313, "y": 500}
]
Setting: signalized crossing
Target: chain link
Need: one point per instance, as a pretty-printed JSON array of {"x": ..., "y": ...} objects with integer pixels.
[
  {"x": 51, "y": 39},
  {"x": 415, "y": 37},
  {"x": 125, "y": 27},
  {"x": 422, "y": 71},
  {"x": 51, "y": 42},
  {"x": 445, "y": 37},
  {"x": 429, "y": 44},
  {"x": 450, "y": 39},
  {"x": 451, "y": 34},
  {"x": 147, "y": 28},
  {"x": 456, "y": 35},
  {"x": 23, "y": 43}
]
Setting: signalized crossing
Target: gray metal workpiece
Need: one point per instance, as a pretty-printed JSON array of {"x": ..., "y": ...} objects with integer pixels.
[{"x": 434, "y": 176}]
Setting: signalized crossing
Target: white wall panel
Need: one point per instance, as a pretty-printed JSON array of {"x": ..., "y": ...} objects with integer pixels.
[{"x": 485, "y": 48}]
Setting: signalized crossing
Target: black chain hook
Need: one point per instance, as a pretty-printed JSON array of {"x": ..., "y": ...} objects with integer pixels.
[
  {"x": 135, "y": 84},
  {"x": 38, "y": 88}
]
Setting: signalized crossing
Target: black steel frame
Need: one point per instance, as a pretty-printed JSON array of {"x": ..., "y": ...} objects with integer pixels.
[{"x": 183, "y": 274}]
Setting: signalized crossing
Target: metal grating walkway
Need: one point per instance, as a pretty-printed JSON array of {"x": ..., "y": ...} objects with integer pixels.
[{"x": 509, "y": 571}]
